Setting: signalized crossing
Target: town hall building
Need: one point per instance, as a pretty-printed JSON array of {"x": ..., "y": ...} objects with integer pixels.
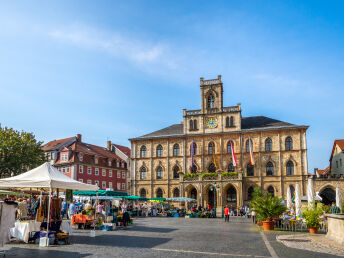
[{"x": 195, "y": 158}]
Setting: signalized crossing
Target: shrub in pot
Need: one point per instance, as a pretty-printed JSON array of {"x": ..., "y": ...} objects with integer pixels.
[
  {"x": 266, "y": 207},
  {"x": 312, "y": 216}
]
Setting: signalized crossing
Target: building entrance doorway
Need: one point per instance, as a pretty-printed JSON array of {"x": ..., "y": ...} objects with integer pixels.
[{"x": 328, "y": 196}]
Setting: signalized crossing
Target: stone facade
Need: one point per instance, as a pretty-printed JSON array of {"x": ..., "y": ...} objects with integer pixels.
[{"x": 276, "y": 144}]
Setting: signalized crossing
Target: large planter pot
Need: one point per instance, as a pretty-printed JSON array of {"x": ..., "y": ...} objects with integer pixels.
[
  {"x": 313, "y": 230},
  {"x": 268, "y": 225}
]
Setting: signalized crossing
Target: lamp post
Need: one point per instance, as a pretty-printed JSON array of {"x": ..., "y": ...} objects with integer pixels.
[{"x": 215, "y": 188}]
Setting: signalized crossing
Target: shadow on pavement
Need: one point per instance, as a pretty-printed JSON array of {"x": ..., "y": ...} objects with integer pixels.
[
  {"x": 120, "y": 241},
  {"x": 28, "y": 252},
  {"x": 150, "y": 229}
]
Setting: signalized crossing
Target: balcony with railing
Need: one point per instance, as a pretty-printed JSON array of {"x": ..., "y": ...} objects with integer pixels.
[{"x": 204, "y": 177}]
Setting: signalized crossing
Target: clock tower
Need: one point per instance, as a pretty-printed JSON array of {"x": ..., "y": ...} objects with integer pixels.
[{"x": 211, "y": 95}]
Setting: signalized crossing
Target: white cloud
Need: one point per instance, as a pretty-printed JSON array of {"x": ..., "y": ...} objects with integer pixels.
[{"x": 137, "y": 51}]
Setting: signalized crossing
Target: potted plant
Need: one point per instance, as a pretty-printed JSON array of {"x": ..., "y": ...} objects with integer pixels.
[
  {"x": 312, "y": 216},
  {"x": 267, "y": 208}
]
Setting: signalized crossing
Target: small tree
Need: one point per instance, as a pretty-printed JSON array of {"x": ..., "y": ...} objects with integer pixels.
[
  {"x": 19, "y": 152},
  {"x": 312, "y": 215},
  {"x": 266, "y": 206}
]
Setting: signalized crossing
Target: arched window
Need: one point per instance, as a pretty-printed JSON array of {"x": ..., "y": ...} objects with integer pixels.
[
  {"x": 211, "y": 101},
  {"x": 143, "y": 151},
  {"x": 271, "y": 191},
  {"x": 176, "y": 150},
  {"x": 250, "y": 193},
  {"x": 193, "y": 147},
  {"x": 195, "y": 124},
  {"x": 176, "y": 192},
  {"x": 269, "y": 169},
  {"x": 231, "y": 167},
  {"x": 268, "y": 144},
  {"x": 248, "y": 145},
  {"x": 231, "y": 122},
  {"x": 175, "y": 172},
  {"x": 231, "y": 194},
  {"x": 159, "y": 151},
  {"x": 159, "y": 173},
  {"x": 159, "y": 193},
  {"x": 288, "y": 143},
  {"x": 229, "y": 147},
  {"x": 191, "y": 125},
  {"x": 250, "y": 170},
  {"x": 227, "y": 121},
  {"x": 211, "y": 148},
  {"x": 212, "y": 168},
  {"x": 290, "y": 168},
  {"x": 193, "y": 168},
  {"x": 143, "y": 173},
  {"x": 143, "y": 193}
]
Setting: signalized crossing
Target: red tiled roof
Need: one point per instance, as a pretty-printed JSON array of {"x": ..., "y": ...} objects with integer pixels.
[
  {"x": 324, "y": 171},
  {"x": 123, "y": 149},
  {"x": 54, "y": 144}
]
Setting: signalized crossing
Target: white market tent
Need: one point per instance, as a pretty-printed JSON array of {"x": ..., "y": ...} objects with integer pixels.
[{"x": 45, "y": 177}]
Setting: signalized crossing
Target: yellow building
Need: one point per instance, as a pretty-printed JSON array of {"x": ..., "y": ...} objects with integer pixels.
[{"x": 161, "y": 162}]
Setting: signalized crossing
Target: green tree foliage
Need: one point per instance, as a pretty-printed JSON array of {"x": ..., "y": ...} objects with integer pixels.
[
  {"x": 266, "y": 206},
  {"x": 312, "y": 215},
  {"x": 19, "y": 152}
]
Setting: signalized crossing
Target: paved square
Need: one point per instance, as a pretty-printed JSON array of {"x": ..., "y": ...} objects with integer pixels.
[{"x": 169, "y": 237}]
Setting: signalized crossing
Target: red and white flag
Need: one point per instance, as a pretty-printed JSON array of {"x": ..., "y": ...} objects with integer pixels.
[{"x": 233, "y": 154}]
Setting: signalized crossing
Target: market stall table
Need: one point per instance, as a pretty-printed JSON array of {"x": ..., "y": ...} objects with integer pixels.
[{"x": 22, "y": 229}]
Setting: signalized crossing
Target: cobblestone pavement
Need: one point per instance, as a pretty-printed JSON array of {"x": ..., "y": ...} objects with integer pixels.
[{"x": 170, "y": 237}]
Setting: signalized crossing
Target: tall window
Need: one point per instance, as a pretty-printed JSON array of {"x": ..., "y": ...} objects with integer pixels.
[
  {"x": 176, "y": 192},
  {"x": 211, "y": 101},
  {"x": 195, "y": 124},
  {"x": 159, "y": 193},
  {"x": 269, "y": 169},
  {"x": 229, "y": 147},
  {"x": 143, "y": 173},
  {"x": 159, "y": 151},
  {"x": 227, "y": 122},
  {"x": 175, "y": 172},
  {"x": 143, "y": 193},
  {"x": 248, "y": 145},
  {"x": 212, "y": 168},
  {"x": 290, "y": 168},
  {"x": 191, "y": 125},
  {"x": 230, "y": 167},
  {"x": 211, "y": 148},
  {"x": 271, "y": 191},
  {"x": 288, "y": 143},
  {"x": 250, "y": 193},
  {"x": 231, "y": 122},
  {"x": 194, "y": 148},
  {"x": 159, "y": 173},
  {"x": 176, "y": 150},
  {"x": 250, "y": 170},
  {"x": 268, "y": 144},
  {"x": 143, "y": 152}
]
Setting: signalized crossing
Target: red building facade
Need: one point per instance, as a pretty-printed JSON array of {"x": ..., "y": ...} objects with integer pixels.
[{"x": 88, "y": 163}]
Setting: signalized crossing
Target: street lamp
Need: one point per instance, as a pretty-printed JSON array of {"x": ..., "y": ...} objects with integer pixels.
[{"x": 215, "y": 188}]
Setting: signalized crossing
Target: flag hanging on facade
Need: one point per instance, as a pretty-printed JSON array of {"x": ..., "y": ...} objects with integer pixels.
[
  {"x": 251, "y": 151},
  {"x": 233, "y": 154},
  {"x": 214, "y": 155}
]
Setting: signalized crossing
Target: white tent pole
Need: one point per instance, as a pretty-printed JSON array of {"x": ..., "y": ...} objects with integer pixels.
[{"x": 48, "y": 214}]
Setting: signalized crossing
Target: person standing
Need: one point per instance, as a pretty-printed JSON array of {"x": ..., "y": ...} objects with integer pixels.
[
  {"x": 334, "y": 209},
  {"x": 63, "y": 208},
  {"x": 253, "y": 214},
  {"x": 72, "y": 209},
  {"x": 226, "y": 212}
]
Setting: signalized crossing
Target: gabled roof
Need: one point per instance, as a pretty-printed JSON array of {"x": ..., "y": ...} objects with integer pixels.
[
  {"x": 123, "y": 149},
  {"x": 247, "y": 123},
  {"x": 324, "y": 171},
  {"x": 55, "y": 144},
  {"x": 340, "y": 144}
]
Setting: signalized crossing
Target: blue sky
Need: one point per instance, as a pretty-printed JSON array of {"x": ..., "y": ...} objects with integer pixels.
[{"x": 120, "y": 69}]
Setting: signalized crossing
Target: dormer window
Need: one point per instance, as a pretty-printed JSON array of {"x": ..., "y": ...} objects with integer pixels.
[
  {"x": 211, "y": 101},
  {"x": 64, "y": 157},
  {"x": 81, "y": 157},
  {"x": 109, "y": 163},
  {"x": 95, "y": 160}
]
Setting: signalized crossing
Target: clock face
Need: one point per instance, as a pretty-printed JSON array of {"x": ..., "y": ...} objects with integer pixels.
[{"x": 212, "y": 122}]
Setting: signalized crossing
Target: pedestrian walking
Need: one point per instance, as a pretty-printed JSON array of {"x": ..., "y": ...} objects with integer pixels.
[
  {"x": 226, "y": 212},
  {"x": 253, "y": 214}
]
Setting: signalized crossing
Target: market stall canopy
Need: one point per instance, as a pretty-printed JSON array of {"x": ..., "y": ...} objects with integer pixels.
[
  {"x": 181, "y": 199},
  {"x": 160, "y": 199},
  {"x": 134, "y": 198},
  {"x": 45, "y": 176},
  {"x": 100, "y": 193},
  {"x": 11, "y": 193}
]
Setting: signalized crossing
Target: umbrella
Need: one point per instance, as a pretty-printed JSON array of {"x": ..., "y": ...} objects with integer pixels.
[
  {"x": 289, "y": 202},
  {"x": 310, "y": 195},
  {"x": 338, "y": 201},
  {"x": 297, "y": 200},
  {"x": 159, "y": 199},
  {"x": 181, "y": 199}
]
